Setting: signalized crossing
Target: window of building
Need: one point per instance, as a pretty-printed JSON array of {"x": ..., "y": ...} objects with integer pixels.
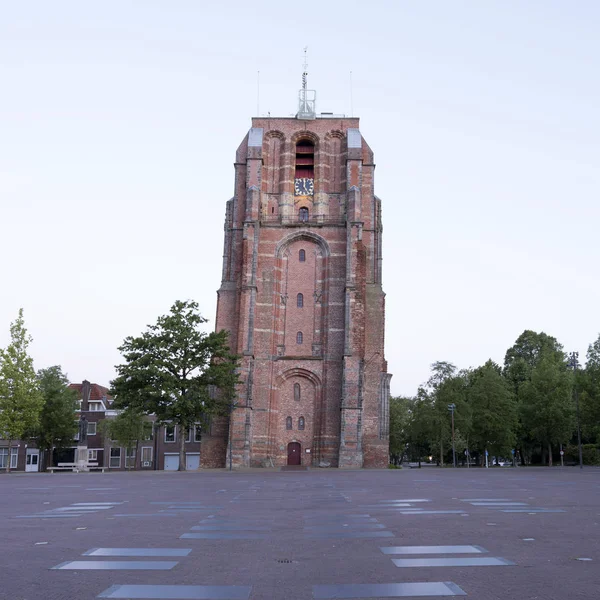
[
  {"x": 288, "y": 423},
  {"x": 300, "y": 300},
  {"x": 130, "y": 458},
  {"x": 95, "y": 406},
  {"x": 297, "y": 391},
  {"x": 188, "y": 435},
  {"x": 305, "y": 160},
  {"x": 14, "y": 458},
  {"x": 92, "y": 455},
  {"x": 91, "y": 428},
  {"x": 146, "y": 456},
  {"x": 4, "y": 458},
  {"x": 198, "y": 433},
  {"x": 169, "y": 433},
  {"x": 115, "y": 458},
  {"x": 148, "y": 431},
  {"x": 303, "y": 214},
  {"x": 299, "y": 338},
  {"x": 302, "y": 255},
  {"x": 301, "y": 423}
]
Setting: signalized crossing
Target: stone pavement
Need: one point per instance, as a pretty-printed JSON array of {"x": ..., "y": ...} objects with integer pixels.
[{"x": 488, "y": 534}]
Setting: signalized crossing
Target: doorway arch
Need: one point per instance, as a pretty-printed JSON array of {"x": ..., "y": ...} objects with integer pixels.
[{"x": 294, "y": 457}]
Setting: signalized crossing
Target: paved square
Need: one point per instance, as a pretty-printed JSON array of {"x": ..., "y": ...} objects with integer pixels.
[{"x": 274, "y": 535}]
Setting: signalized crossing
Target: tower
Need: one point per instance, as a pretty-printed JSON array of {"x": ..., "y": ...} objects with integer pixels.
[{"x": 301, "y": 296}]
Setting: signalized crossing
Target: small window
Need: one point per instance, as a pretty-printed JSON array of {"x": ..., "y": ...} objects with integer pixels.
[
  {"x": 169, "y": 433},
  {"x": 92, "y": 455},
  {"x": 188, "y": 435},
  {"x": 3, "y": 457},
  {"x": 95, "y": 406},
  {"x": 198, "y": 433},
  {"x": 297, "y": 392},
  {"x": 115, "y": 458},
  {"x": 288, "y": 423},
  {"x": 301, "y": 423},
  {"x": 303, "y": 214},
  {"x": 299, "y": 338},
  {"x": 14, "y": 458},
  {"x": 146, "y": 456},
  {"x": 130, "y": 458},
  {"x": 148, "y": 431},
  {"x": 91, "y": 428},
  {"x": 300, "y": 300},
  {"x": 302, "y": 256}
]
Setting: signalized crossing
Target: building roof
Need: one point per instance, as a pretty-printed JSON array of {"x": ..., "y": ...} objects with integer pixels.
[{"x": 97, "y": 392}]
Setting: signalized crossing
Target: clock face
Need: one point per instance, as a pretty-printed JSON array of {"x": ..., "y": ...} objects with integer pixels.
[{"x": 303, "y": 186}]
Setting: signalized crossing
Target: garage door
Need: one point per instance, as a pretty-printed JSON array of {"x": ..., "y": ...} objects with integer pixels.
[
  {"x": 192, "y": 461},
  {"x": 171, "y": 462}
]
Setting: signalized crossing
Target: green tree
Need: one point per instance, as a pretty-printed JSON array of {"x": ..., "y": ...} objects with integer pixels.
[
  {"x": 547, "y": 408},
  {"x": 127, "y": 429},
  {"x": 57, "y": 426},
  {"x": 21, "y": 401},
  {"x": 519, "y": 362},
  {"x": 172, "y": 369},
  {"x": 588, "y": 381},
  {"x": 445, "y": 387},
  {"x": 493, "y": 408},
  {"x": 399, "y": 420},
  {"x": 420, "y": 428}
]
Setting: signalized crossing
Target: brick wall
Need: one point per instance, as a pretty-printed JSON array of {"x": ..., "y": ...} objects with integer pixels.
[{"x": 339, "y": 363}]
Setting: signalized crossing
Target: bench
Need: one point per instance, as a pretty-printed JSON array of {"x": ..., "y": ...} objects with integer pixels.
[{"x": 76, "y": 467}]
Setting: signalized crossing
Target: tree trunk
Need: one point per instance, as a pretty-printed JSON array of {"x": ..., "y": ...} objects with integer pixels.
[
  {"x": 50, "y": 457},
  {"x": 441, "y": 452},
  {"x": 8, "y": 457},
  {"x": 549, "y": 454},
  {"x": 182, "y": 436}
]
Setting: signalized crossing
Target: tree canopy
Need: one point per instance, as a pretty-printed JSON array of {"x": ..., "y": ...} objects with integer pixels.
[
  {"x": 21, "y": 401},
  {"x": 173, "y": 369},
  {"x": 57, "y": 426}
]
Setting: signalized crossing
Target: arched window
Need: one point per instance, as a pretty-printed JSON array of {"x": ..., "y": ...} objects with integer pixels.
[
  {"x": 302, "y": 256},
  {"x": 305, "y": 160},
  {"x": 288, "y": 423},
  {"x": 301, "y": 423},
  {"x": 299, "y": 338},
  {"x": 303, "y": 214},
  {"x": 300, "y": 300},
  {"x": 297, "y": 391}
]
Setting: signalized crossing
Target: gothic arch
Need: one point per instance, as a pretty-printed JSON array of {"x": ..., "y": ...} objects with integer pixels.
[
  {"x": 273, "y": 155},
  {"x": 306, "y": 135},
  {"x": 299, "y": 372},
  {"x": 302, "y": 235}
]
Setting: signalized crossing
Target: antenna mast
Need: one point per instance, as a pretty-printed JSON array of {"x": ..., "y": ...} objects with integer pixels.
[{"x": 307, "y": 98}]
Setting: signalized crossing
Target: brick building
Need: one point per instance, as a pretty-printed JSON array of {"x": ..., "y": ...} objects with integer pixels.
[
  {"x": 302, "y": 298},
  {"x": 159, "y": 448}
]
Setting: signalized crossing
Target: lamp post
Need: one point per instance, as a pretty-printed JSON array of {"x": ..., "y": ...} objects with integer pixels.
[
  {"x": 451, "y": 408},
  {"x": 574, "y": 363}
]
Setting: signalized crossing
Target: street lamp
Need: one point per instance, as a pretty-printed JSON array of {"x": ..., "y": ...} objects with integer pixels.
[
  {"x": 451, "y": 408},
  {"x": 574, "y": 363}
]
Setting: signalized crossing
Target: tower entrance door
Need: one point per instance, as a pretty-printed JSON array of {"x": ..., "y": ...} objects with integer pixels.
[{"x": 294, "y": 454}]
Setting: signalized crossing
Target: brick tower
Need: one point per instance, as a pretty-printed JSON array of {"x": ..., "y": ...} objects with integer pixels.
[{"x": 301, "y": 296}]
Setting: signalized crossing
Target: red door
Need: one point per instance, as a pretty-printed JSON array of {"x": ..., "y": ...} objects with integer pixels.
[{"x": 294, "y": 456}]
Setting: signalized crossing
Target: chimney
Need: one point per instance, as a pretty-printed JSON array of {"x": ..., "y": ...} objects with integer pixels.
[{"x": 86, "y": 389}]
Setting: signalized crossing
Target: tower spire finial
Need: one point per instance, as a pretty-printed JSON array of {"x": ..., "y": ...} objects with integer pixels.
[
  {"x": 306, "y": 102},
  {"x": 305, "y": 69}
]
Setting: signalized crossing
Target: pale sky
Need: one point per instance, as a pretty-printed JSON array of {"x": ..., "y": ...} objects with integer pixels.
[{"x": 119, "y": 122}]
